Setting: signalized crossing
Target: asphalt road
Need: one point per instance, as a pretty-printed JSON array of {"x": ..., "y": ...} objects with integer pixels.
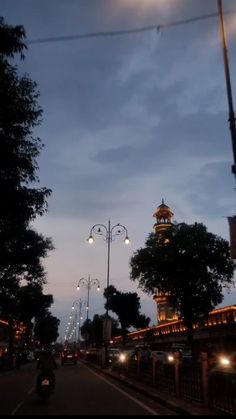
[{"x": 79, "y": 391}]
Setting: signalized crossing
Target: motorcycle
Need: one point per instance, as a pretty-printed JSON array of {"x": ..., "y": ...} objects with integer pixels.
[{"x": 45, "y": 386}]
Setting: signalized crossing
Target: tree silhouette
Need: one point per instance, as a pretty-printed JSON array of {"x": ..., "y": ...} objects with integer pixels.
[
  {"x": 21, "y": 247},
  {"x": 191, "y": 263},
  {"x": 92, "y": 330},
  {"x": 127, "y": 306},
  {"x": 46, "y": 329}
]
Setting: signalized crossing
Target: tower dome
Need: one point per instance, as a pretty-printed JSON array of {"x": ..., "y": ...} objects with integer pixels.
[{"x": 163, "y": 217}]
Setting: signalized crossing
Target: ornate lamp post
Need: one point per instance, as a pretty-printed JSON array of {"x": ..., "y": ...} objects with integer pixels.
[
  {"x": 108, "y": 233},
  {"x": 88, "y": 283}
]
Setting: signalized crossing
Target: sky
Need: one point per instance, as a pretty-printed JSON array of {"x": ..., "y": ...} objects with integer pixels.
[{"x": 128, "y": 120}]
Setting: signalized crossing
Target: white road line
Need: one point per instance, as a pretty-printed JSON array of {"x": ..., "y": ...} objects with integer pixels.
[
  {"x": 20, "y": 404},
  {"x": 153, "y": 412}
]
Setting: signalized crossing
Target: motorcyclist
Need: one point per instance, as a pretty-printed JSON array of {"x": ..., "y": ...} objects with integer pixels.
[{"x": 46, "y": 364}]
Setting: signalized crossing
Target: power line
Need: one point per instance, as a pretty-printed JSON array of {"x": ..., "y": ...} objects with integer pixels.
[{"x": 124, "y": 32}]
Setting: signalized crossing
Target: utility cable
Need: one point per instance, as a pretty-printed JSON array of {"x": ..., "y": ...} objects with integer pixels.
[{"x": 125, "y": 32}]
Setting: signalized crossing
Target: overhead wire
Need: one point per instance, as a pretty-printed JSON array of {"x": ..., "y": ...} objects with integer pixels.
[{"x": 125, "y": 31}]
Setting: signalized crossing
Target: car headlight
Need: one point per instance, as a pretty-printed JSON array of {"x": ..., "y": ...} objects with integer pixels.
[
  {"x": 122, "y": 357},
  {"x": 224, "y": 361}
]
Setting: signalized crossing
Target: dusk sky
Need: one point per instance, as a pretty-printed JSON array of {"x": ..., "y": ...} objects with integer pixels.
[{"x": 128, "y": 120}]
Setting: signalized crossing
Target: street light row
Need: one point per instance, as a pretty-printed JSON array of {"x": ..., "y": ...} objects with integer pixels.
[
  {"x": 74, "y": 322},
  {"x": 88, "y": 283},
  {"x": 108, "y": 233}
]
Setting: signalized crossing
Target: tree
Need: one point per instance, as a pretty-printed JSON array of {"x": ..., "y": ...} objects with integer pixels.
[
  {"x": 19, "y": 149},
  {"x": 127, "y": 306},
  {"x": 21, "y": 248},
  {"x": 22, "y": 265},
  {"x": 190, "y": 263},
  {"x": 19, "y": 114},
  {"x": 31, "y": 304},
  {"x": 93, "y": 329},
  {"x": 46, "y": 329}
]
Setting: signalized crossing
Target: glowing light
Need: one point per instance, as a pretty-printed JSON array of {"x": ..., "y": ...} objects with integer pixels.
[
  {"x": 224, "y": 361},
  {"x": 122, "y": 357}
]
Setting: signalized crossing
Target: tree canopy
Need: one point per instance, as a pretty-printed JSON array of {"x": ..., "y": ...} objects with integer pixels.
[
  {"x": 92, "y": 330},
  {"x": 126, "y": 305},
  {"x": 21, "y": 247},
  {"x": 46, "y": 329},
  {"x": 190, "y": 263}
]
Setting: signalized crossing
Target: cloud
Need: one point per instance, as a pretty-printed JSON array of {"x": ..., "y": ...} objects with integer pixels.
[{"x": 128, "y": 120}]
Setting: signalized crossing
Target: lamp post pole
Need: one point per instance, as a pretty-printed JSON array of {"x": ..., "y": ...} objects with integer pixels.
[
  {"x": 228, "y": 85},
  {"x": 108, "y": 233}
]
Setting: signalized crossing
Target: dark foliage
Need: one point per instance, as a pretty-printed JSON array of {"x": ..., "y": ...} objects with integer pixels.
[{"x": 191, "y": 263}]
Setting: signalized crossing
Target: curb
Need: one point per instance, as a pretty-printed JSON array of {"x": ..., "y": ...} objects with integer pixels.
[
  {"x": 150, "y": 394},
  {"x": 170, "y": 404}
]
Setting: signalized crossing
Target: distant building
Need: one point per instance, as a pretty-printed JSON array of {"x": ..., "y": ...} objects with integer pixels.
[{"x": 218, "y": 330}]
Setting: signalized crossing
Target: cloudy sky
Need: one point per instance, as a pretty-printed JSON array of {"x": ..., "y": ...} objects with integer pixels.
[{"x": 128, "y": 120}]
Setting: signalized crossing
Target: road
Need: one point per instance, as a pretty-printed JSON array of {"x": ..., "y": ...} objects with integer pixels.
[{"x": 79, "y": 391}]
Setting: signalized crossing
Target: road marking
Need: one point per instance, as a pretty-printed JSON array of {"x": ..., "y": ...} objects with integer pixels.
[
  {"x": 20, "y": 404},
  {"x": 153, "y": 412}
]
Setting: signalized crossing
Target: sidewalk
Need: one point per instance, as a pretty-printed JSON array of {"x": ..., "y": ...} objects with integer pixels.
[{"x": 178, "y": 405}]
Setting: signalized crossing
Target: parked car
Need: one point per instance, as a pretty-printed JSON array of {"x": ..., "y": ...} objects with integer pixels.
[{"x": 69, "y": 356}]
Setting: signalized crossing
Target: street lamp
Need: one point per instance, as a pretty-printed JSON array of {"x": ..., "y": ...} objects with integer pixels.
[
  {"x": 228, "y": 86},
  {"x": 108, "y": 233},
  {"x": 88, "y": 283}
]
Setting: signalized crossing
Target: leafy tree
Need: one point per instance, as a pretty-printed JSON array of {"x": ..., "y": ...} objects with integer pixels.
[
  {"x": 23, "y": 262},
  {"x": 32, "y": 303},
  {"x": 19, "y": 149},
  {"x": 127, "y": 306},
  {"x": 46, "y": 329},
  {"x": 21, "y": 265},
  {"x": 21, "y": 248},
  {"x": 19, "y": 114},
  {"x": 190, "y": 263},
  {"x": 92, "y": 330},
  {"x": 11, "y": 39}
]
